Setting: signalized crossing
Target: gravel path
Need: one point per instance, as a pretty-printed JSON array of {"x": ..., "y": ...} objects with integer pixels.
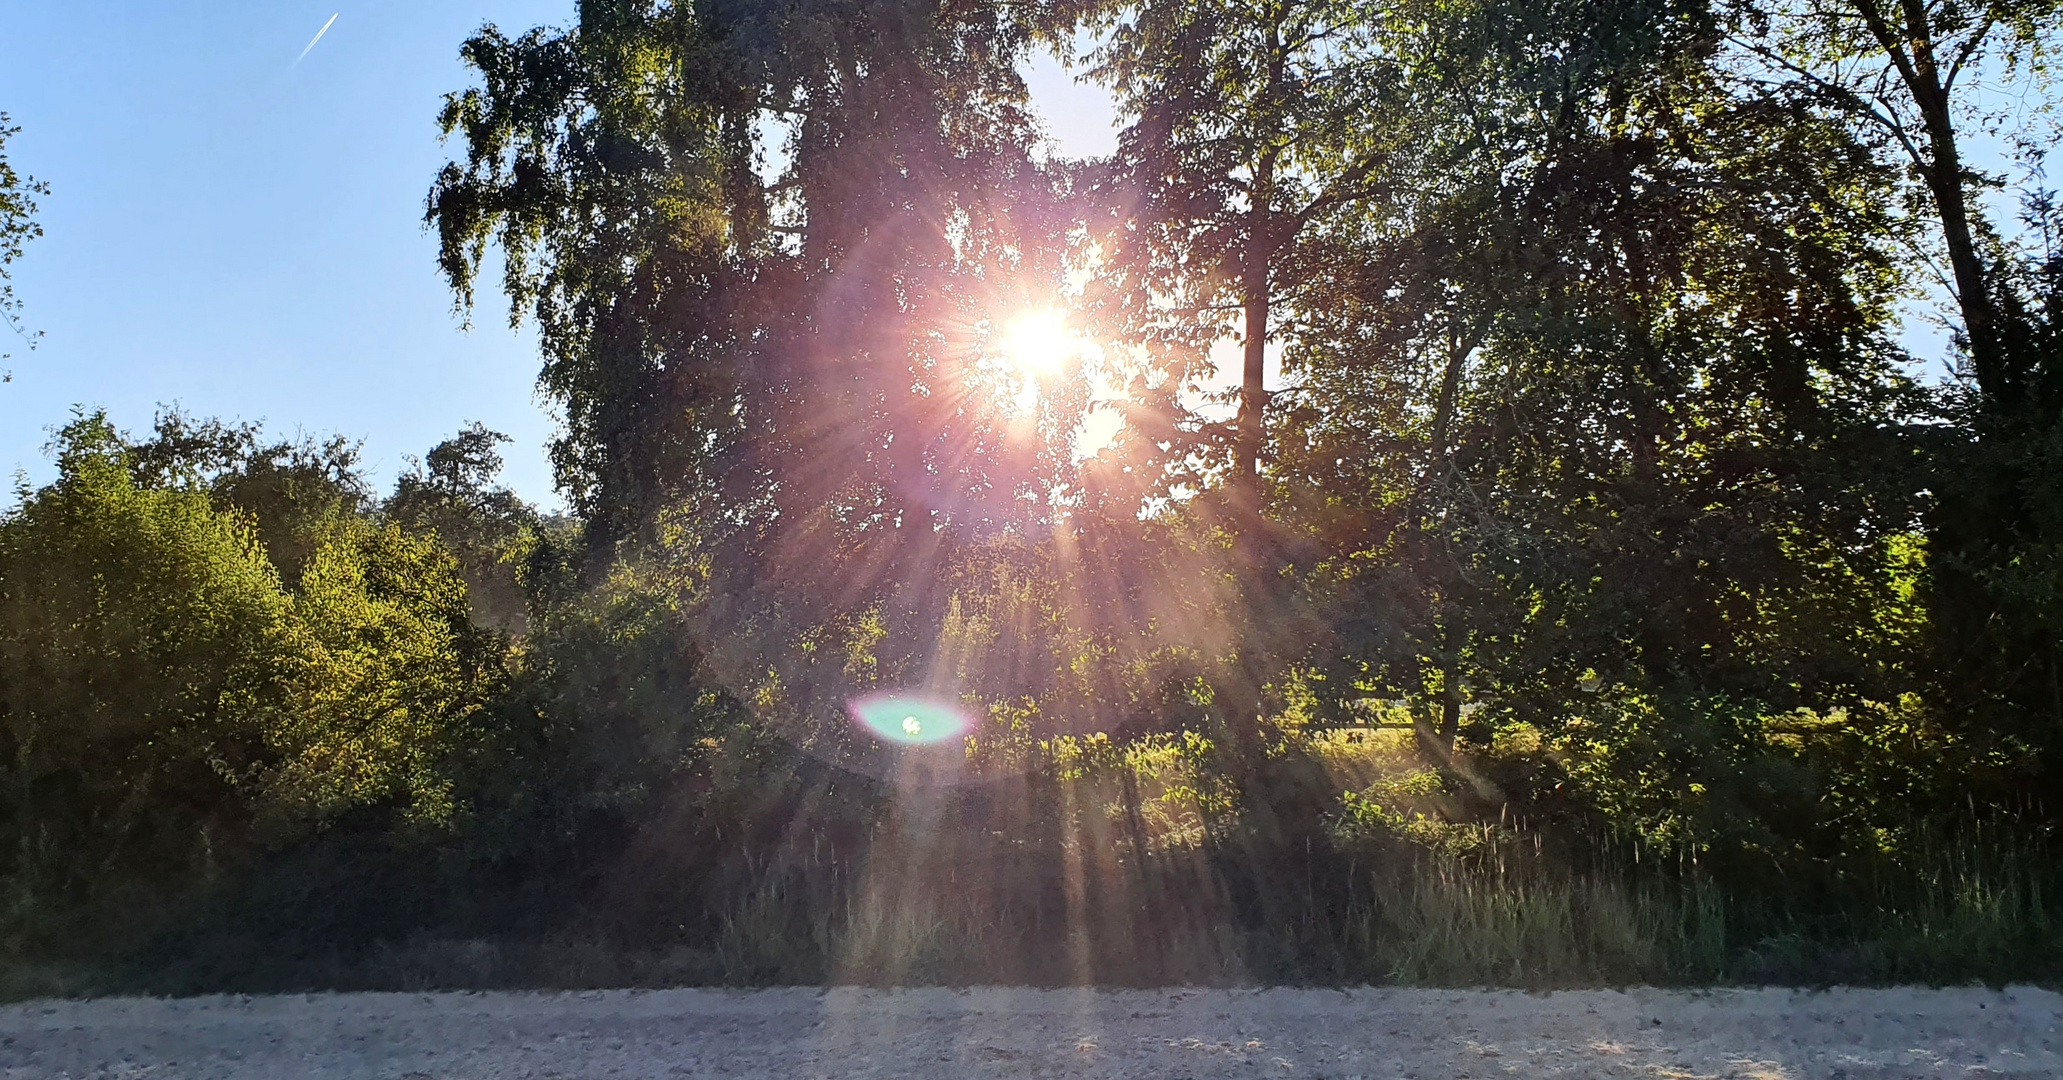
[{"x": 949, "y": 1035}]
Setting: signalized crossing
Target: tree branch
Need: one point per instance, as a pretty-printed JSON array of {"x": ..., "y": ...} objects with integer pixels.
[{"x": 1963, "y": 54}]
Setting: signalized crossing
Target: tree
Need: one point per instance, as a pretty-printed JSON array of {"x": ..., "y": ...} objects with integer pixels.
[
  {"x": 771, "y": 251},
  {"x": 169, "y": 706},
  {"x": 762, "y": 245},
  {"x": 1912, "y": 75},
  {"x": 1249, "y": 125},
  {"x": 381, "y": 674},
  {"x": 1612, "y": 395},
  {"x": 17, "y": 227},
  {"x": 451, "y": 494},
  {"x": 1904, "y": 69},
  {"x": 290, "y": 489},
  {"x": 136, "y": 626}
]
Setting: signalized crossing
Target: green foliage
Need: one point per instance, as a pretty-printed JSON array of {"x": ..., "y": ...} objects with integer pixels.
[
  {"x": 139, "y": 627},
  {"x": 451, "y": 494},
  {"x": 759, "y": 238},
  {"x": 1992, "y": 598},
  {"x": 608, "y": 709},
  {"x": 288, "y": 491},
  {"x": 1250, "y": 128},
  {"x": 1604, "y": 598},
  {"x": 171, "y": 706},
  {"x": 381, "y": 676},
  {"x": 17, "y": 227}
]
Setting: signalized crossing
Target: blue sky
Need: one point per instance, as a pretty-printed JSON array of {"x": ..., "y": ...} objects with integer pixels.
[{"x": 240, "y": 234}]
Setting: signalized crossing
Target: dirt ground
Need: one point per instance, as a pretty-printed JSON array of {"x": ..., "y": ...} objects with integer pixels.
[{"x": 1001, "y": 1032}]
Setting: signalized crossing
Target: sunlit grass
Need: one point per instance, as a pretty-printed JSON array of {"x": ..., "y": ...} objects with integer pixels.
[{"x": 1107, "y": 862}]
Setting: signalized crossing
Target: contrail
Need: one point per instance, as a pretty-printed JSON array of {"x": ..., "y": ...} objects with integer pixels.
[{"x": 318, "y": 37}]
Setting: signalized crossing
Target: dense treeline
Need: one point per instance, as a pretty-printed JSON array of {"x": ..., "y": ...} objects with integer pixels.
[{"x": 1600, "y": 591}]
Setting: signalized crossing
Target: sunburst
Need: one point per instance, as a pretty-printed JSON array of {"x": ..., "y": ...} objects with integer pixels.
[{"x": 1036, "y": 345}]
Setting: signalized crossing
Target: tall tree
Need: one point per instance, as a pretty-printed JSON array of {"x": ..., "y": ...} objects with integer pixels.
[
  {"x": 1619, "y": 376},
  {"x": 1907, "y": 69},
  {"x": 772, "y": 249},
  {"x": 1921, "y": 77},
  {"x": 1249, "y": 123},
  {"x": 763, "y": 243}
]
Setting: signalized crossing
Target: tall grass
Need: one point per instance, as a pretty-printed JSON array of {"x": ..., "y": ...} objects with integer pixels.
[
  {"x": 1133, "y": 866},
  {"x": 1457, "y": 926}
]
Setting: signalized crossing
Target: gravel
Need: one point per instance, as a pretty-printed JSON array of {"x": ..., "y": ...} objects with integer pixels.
[{"x": 1178, "y": 1034}]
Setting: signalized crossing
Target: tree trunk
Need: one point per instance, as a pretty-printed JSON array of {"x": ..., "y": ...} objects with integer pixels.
[
  {"x": 1973, "y": 297},
  {"x": 1437, "y": 740},
  {"x": 1458, "y": 348},
  {"x": 1254, "y": 283},
  {"x": 1942, "y": 168}
]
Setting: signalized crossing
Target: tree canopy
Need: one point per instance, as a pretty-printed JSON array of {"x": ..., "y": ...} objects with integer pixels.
[
  {"x": 18, "y": 226},
  {"x": 1523, "y": 500}
]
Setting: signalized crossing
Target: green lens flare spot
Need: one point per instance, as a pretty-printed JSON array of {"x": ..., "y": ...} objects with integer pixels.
[{"x": 909, "y": 719}]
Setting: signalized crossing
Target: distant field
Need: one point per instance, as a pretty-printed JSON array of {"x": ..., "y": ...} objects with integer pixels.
[{"x": 1002, "y": 1032}]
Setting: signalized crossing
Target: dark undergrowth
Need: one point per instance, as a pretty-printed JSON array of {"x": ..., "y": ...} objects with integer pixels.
[{"x": 1110, "y": 873}]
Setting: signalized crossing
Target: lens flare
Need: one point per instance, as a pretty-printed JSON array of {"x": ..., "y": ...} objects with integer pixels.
[{"x": 908, "y": 718}]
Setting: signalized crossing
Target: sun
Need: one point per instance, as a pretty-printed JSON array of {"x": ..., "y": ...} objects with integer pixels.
[
  {"x": 1039, "y": 342},
  {"x": 1034, "y": 346}
]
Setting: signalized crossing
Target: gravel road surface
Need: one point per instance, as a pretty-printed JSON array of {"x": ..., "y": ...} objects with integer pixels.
[{"x": 1007, "y": 1033}]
